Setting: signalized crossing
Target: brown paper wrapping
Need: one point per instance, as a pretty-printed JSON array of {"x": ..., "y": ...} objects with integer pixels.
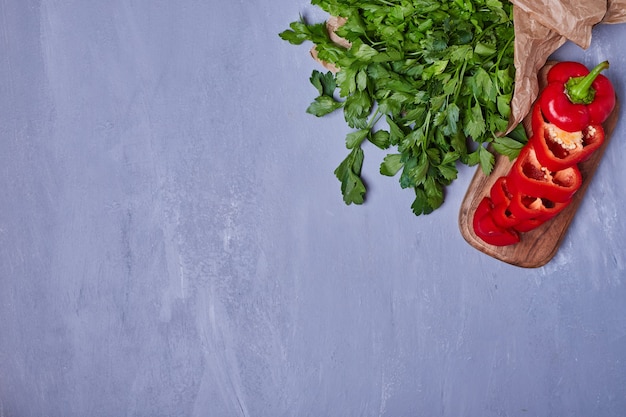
[
  {"x": 616, "y": 12},
  {"x": 332, "y": 24}
]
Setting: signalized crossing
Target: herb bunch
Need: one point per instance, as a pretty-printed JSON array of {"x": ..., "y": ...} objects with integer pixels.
[{"x": 431, "y": 80}]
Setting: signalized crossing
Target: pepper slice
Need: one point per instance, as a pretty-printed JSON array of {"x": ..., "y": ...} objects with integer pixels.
[
  {"x": 526, "y": 207},
  {"x": 527, "y": 225},
  {"x": 529, "y": 177},
  {"x": 557, "y": 149},
  {"x": 501, "y": 212},
  {"x": 487, "y": 230},
  {"x": 503, "y": 217},
  {"x": 576, "y": 97},
  {"x": 501, "y": 198},
  {"x": 499, "y": 193}
]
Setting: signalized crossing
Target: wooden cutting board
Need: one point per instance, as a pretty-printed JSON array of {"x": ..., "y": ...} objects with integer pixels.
[{"x": 538, "y": 246}]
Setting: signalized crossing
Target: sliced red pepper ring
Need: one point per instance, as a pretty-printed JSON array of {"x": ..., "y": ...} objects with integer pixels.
[
  {"x": 528, "y": 224},
  {"x": 501, "y": 212},
  {"x": 557, "y": 149},
  {"x": 499, "y": 192},
  {"x": 500, "y": 199},
  {"x": 503, "y": 217},
  {"x": 487, "y": 230},
  {"x": 529, "y": 177},
  {"x": 526, "y": 207}
]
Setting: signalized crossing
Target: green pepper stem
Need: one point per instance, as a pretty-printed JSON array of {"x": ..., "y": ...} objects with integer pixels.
[{"x": 579, "y": 88}]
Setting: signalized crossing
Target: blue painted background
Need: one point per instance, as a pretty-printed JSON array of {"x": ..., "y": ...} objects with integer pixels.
[{"x": 173, "y": 241}]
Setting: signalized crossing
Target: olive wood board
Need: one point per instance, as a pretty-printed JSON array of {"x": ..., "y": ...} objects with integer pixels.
[{"x": 537, "y": 247}]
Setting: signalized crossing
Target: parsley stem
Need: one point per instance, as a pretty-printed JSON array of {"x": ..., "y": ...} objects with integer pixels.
[
  {"x": 460, "y": 75},
  {"x": 427, "y": 130},
  {"x": 376, "y": 116},
  {"x": 503, "y": 51},
  {"x": 486, "y": 30}
]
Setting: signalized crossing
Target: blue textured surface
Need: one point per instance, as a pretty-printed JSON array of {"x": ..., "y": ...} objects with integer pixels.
[{"x": 173, "y": 241}]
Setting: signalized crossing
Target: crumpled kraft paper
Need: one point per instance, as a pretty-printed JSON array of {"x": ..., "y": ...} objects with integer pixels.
[{"x": 541, "y": 27}]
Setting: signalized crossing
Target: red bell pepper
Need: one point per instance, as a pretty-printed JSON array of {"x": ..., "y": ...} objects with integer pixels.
[
  {"x": 503, "y": 217},
  {"x": 557, "y": 149},
  {"x": 500, "y": 199},
  {"x": 529, "y": 177},
  {"x": 487, "y": 230},
  {"x": 526, "y": 207},
  {"x": 499, "y": 193},
  {"x": 567, "y": 128},
  {"x": 501, "y": 212},
  {"x": 527, "y": 225},
  {"x": 575, "y": 97}
]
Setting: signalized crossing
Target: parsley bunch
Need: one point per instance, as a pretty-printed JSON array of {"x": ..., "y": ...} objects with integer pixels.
[{"x": 431, "y": 80}]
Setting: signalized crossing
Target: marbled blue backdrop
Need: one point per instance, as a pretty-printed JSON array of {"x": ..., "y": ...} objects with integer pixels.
[{"x": 173, "y": 241}]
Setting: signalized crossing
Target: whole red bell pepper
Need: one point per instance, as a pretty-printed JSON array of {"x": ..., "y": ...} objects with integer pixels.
[
  {"x": 576, "y": 97},
  {"x": 557, "y": 149},
  {"x": 486, "y": 228},
  {"x": 529, "y": 177}
]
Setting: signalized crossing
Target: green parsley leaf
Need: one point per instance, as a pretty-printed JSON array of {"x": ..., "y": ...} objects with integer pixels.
[
  {"x": 512, "y": 144},
  {"x": 474, "y": 122},
  {"x": 363, "y": 52},
  {"x": 298, "y": 34},
  {"x": 484, "y": 49},
  {"x": 417, "y": 173},
  {"x": 323, "y": 105},
  {"x": 354, "y": 139},
  {"x": 420, "y": 204},
  {"x": 519, "y": 134},
  {"x": 396, "y": 135},
  {"x": 434, "y": 192},
  {"x": 349, "y": 173},
  {"x": 380, "y": 139},
  {"x": 325, "y": 83},
  {"x": 504, "y": 105},
  {"x": 391, "y": 164},
  {"x": 452, "y": 117},
  {"x": 447, "y": 167},
  {"x": 346, "y": 79},
  {"x": 486, "y": 159},
  {"x": 357, "y": 108}
]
